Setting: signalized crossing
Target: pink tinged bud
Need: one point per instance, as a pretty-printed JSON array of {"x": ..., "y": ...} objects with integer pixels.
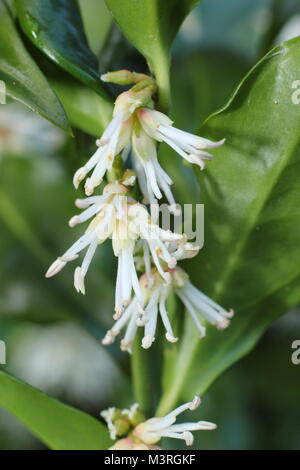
[
  {"x": 152, "y": 118},
  {"x": 123, "y": 444},
  {"x": 130, "y": 444},
  {"x": 124, "y": 77}
]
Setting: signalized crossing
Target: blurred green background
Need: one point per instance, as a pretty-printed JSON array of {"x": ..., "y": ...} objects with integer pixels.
[{"x": 52, "y": 333}]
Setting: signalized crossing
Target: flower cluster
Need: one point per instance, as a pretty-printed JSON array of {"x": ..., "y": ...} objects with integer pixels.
[
  {"x": 136, "y": 128},
  {"x": 148, "y": 271},
  {"x": 126, "y": 221},
  {"x": 155, "y": 293},
  {"x": 146, "y": 434}
]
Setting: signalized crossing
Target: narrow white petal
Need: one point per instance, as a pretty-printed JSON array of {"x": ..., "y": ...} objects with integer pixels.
[
  {"x": 164, "y": 316},
  {"x": 55, "y": 268},
  {"x": 191, "y": 310}
]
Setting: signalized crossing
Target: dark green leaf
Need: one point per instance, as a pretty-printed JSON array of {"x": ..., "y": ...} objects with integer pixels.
[
  {"x": 151, "y": 26},
  {"x": 56, "y": 28},
  {"x": 201, "y": 84},
  {"x": 251, "y": 256},
  {"x": 23, "y": 80}
]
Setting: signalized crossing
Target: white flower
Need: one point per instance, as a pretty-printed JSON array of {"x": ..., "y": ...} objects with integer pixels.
[
  {"x": 27, "y": 134},
  {"x": 191, "y": 147},
  {"x": 143, "y": 435},
  {"x": 136, "y": 128},
  {"x": 153, "y": 430},
  {"x": 199, "y": 304},
  {"x": 125, "y": 221},
  {"x": 154, "y": 296},
  {"x": 155, "y": 292},
  {"x": 115, "y": 139},
  {"x": 153, "y": 180},
  {"x": 128, "y": 443}
]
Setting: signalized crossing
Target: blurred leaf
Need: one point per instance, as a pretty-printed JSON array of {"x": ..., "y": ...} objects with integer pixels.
[
  {"x": 59, "y": 426},
  {"x": 97, "y": 22},
  {"x": 251, "y": 256},
  {"x": 17, "y": 224},
  {"x": 85, "y": 109},
  {"x": 34, "y": 232},
  {"x": 56, "y": 28},
  {"x": 280, "y": 13},
  {"x": 23, "y": 79},
  {"x": 151, "y": 26}
]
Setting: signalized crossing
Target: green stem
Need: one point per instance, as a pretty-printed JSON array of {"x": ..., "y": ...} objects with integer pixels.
[
  {"x": 176, "y": 370},
  {"x": 145, "y": 368},
  {"x": 161, "y": 71}
]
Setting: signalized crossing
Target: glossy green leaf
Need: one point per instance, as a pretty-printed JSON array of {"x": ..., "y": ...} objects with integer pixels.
[
  {"x": 59, "y": 426},
  {"x": 201, "y": 84},
  {"x": 151, "y": 26},
  {"x": 56, "y": 28},
  {"x": 23, "y": 79},
  {"x": 85, "y": 109},
  {"x": 251, "y": 257}
]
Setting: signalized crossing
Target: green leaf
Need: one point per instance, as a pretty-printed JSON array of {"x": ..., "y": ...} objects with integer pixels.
[
  {"x": 59, "y": 426},
  {"x": 23, "y": 79},
  {"x": 151, "y": 26},
  {"x": 56, "y": 28},
  {"x": 97, "y": 22},
  {"x": 202, "y": 83},
  {"x": 251, "y": 257},
  {"x": 85, "y": 109}
]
